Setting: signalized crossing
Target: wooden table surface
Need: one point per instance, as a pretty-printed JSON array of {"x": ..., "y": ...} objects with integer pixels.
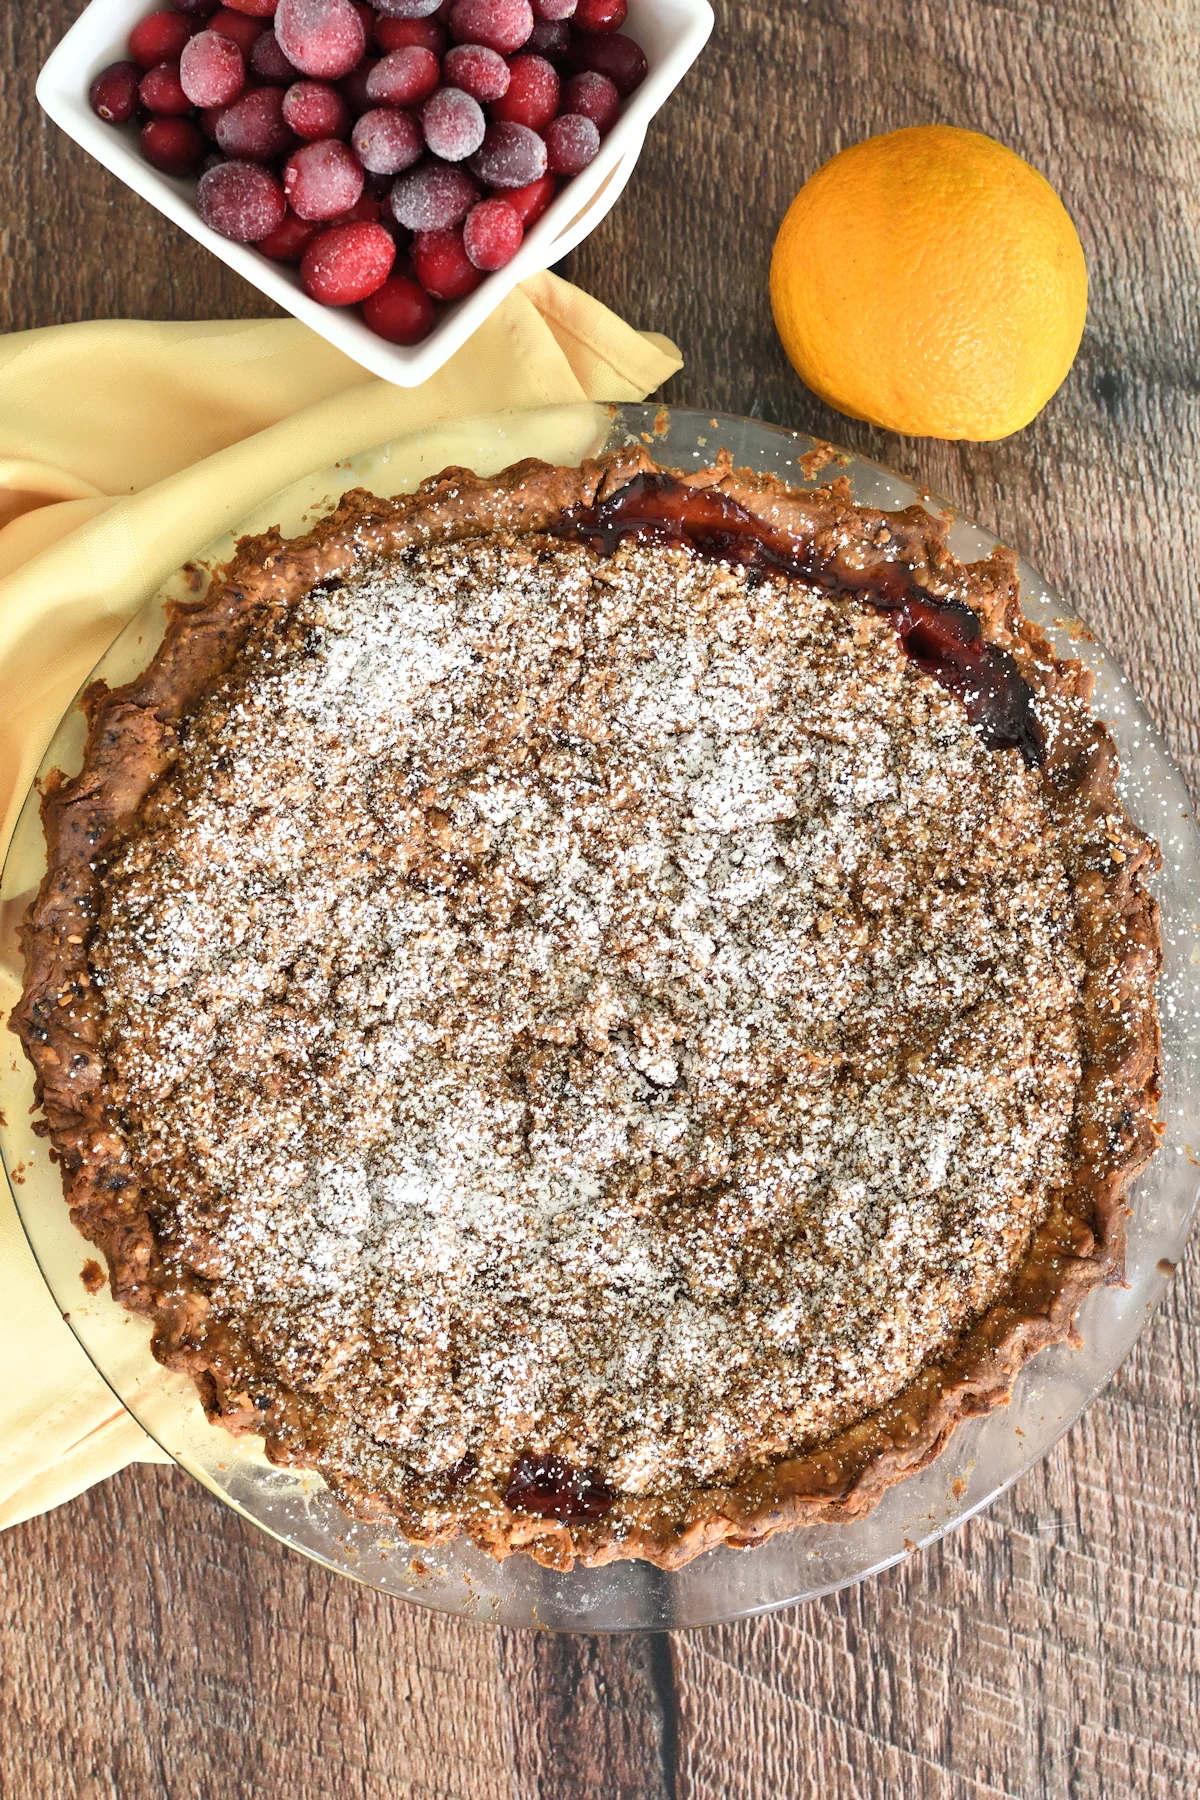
[{"x": 153, "y": 1645}]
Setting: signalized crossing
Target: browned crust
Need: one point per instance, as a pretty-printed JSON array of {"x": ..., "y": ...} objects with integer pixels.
[{"x": 132, "y": 738}]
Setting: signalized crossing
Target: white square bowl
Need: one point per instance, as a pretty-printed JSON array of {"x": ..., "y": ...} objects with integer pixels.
[{"x": 671, "y": 32}]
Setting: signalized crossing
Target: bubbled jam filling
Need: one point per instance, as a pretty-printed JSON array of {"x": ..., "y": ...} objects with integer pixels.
[
  {"x": 553, "y": 1489},
  {"x": 942, "y": 636}
]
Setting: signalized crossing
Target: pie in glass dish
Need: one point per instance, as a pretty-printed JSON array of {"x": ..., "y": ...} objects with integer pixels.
[{"x": 603, "y": 1011}]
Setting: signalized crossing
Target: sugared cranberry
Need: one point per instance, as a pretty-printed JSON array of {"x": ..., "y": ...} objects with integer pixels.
[
  {"x": 212, "y": 70},
  {"x": 399, "y": 311},
  {"x": 379, "y": 187},
  {"x": 492, "y": 233},
  {"x": 288, "y": 242},
  {"x": 478, "y": 71},
  {"x": 511, "y": 156},
  {"x": 550, "y": 38},
  {"x": 268, "y": 63},
  {"x": 208, "y": 118},
  {"x": 600, "y": 15},
  {"x": 553, "y": 1489},
  {"x": 553, "y": 10},
  {"x": 502, "y": 25},
  {"x": 160, "y": 90},
  {"x": 386, "y": 141},
  {"x": 408, "y": 9},
  {"x": 533, "y": 93},
  {"x": 346, "y": 263},
  {"x": 324, "y": 38},
  {"x": 159, "y": 38},
  {"x": 173, "y": 145},
  {"x": 114, "y": 94},
  {"x": 614, "y": 55},
  {"x": 443, "y": 267},
  {"x": 595, "y": 96},
  {"x": 398, "y": 34},
  {"x": 322, "y": 180},
  {"x": 256, "y": 9},
  {"x": 572, "y": 142},
  {"x": 196, "y": 9},
  {"x": 254, "y": 129},
  {"x": 244, "y": 30},
  {"x": 453, "y": 124},
  {"x": 365, "y": 210},
  {"x": 241, "y": 200},
  {"x": 432, "y": 197},
  {"x": 315, "y": 110},
  {"x": 404, "y": 77},
  {"x": 353, "y": 87},
  {"x": 529, "y": 203}
]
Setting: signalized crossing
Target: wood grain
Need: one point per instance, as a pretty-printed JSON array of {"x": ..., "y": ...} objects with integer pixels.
[{"x": 153, "y": 1646}]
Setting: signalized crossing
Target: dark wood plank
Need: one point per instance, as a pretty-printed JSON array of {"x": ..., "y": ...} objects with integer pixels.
[{"x": 154, "y": 1646}]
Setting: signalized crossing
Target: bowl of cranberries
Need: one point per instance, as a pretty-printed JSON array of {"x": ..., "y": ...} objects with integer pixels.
[{"x": 389, "y": 171}]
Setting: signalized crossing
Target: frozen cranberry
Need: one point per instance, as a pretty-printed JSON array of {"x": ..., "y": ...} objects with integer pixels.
[
  {"x": 379, "y": 187},
  {"x": 257, "y": 9},
  {"x": 386, "y": 141},
  {"x": 453, "y": 124},
  {"x": 404, "y": 77},
  {"x": 616, "y": 56},
  {"x": 158, "y": 38},
  {"x": 346, "y": 263},
  {"x": 502, "y": 25},
  {"x": 316, "y": 110},
  {"x": 114, "y": 93},
  {"x": 353, "y": 87},
  {"x": 241, "y": 200},
  {"x": 492, "y": 233},
  {"x": 550, "y": 38},
  {"x": 322, "y": 180},
  {"x": 239, "y": 26},
  {"x": 324, "y": 38},
  {"x": 208, "y": 118},
  {"x": 529, "y": 203},
  {"x": 254, "y": 128},
  {"x": 196, "y": 9},
  {"x": 593, "y": 95},
  {"x": 600, "y": 15},
  {"x": 512, "y": 156},
  {"x": 532, "y": 97},
  {"x": 212, "y": 71},
  {"x": 268, "y": 63},
  {"x": 289, "y": 240},
  {"x": 398, "y": 34},
  {"x": 366, "y": 209},
  {"x": 173, "y": 145},
  {"x": 432, "y": 197},
  {"x": 408, "y": 9},
  {"x": 160, "y": 90},
  {"x": 212, "y": 159},
  {"x": 572, "y": 142},
  {"x": 443, "y": 267},
  {"x": 399, "y": 311},
  {"x": 478, "y": 71},
  {"x": 553, "y": 11}
]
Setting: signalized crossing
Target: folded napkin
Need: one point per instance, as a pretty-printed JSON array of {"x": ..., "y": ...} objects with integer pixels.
[{"x": 124, "y": 448}]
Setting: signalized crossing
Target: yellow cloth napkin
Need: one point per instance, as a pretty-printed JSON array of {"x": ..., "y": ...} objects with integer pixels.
[{"x": 125, "y": 447}]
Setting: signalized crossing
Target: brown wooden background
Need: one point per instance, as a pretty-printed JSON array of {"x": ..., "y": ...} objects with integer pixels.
[{"x": 152, "y": 1645}]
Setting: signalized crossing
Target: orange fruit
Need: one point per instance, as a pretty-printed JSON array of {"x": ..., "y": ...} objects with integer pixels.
[{"x": 931, "y": 282}]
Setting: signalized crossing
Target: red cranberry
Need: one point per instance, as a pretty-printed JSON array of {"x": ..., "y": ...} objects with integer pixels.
[
  {"x": 160, "y": 90},
  {"x": 366, "y": 210},
  {"x": 552, "y": 11},
  {"x": 173, "y": 145},
  {"x": 208, "y": 118},
  {"x": 347, "y": 263},
  {"x": 443, "y": 267},
  {"x": 159, "y": 38},
  {"x": 502, "y": 25},
  {"x": 553, "y": 1489},
  {"x": 241, "y": 200},
  {"x": 288, "y": 241},
  {"x": 616, "y": 56},
  {"x": 572, "y": 142},
  {"x": 533, "y": 91},
  {"x": 324, "y": 38},
  {"x": 492, "y": 233},
  {"x": 600, "y": 15},
  {"x": 268, "y": 62},
  {"x": 595, "y": 96},
  {"x": 478, "y": 71},
  {"x": 322, "y": 180},
  {"x": 254, "y": 128},
  {"x": 529, "y": 203},
  {"x": 511, "y": 156},
  {"x": 386, "y": 141},
  {"x": 196, "y": 9},
  {"x": 316, "y": 110},
  {"x": 453, "y": 124},
  {"x": 211, "y": 70},
  {"x": 398, "y": 34},
  {"x": 243, "y": 30},
  {"x": 404, "y": 77},
  {"x": 550, "y": 38},
  {"x": 399, "y": 311},
  {"x": 432, "y": 197},
  {"x": 353, "y": 87},
  {"x": 256, "y": 9},
  {"x": 114, "y": 93}
]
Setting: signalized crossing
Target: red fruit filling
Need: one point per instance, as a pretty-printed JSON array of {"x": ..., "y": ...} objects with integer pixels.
[
  {"x": 553, "y": 1489},
  {"x": 346, "y": 263},
  {"x": 400, "y": 311}
]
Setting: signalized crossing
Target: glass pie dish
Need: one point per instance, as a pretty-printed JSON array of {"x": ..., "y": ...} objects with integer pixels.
[{"x": 983, "y": 1457}]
